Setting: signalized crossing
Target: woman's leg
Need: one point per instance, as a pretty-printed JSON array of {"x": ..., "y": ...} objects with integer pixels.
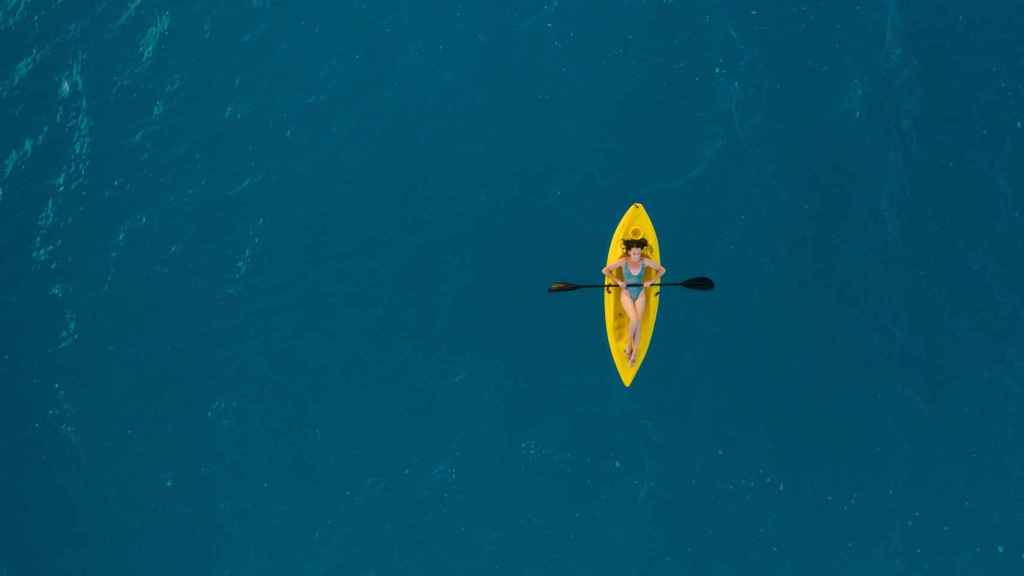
[
  {"x": 638, "y": 308},
  {"x": 627, "y": 305}
]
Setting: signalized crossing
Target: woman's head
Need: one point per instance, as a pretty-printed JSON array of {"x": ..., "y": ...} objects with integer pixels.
[{"x": 634, "y": 247}]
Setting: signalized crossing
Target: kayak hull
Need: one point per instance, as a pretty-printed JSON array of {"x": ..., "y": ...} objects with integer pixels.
[{"x": 635, "y": 223}]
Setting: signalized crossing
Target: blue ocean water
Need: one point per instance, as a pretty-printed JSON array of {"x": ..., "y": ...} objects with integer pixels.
[{"x": 273, "y": 288}]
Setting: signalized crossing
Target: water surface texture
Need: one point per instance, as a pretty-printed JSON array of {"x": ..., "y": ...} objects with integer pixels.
[{"x": 273, "y": 287}]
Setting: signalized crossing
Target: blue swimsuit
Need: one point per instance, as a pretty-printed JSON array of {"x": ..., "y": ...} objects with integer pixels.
[{"x": 630, "y": 278}]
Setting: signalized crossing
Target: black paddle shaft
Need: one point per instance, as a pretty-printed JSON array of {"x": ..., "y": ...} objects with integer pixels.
[{"x": 697, "y": 283}]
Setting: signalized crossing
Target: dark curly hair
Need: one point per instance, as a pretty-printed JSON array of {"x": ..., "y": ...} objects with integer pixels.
[{"x": 630, "y": 243}]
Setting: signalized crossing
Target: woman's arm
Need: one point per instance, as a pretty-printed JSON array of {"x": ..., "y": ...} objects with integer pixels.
[
  {"x": 607, "y": 271},
  {"x": 658, "y": 268}
]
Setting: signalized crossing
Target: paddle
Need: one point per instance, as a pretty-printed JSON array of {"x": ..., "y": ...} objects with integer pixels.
[{"x": 697, "y": 283}]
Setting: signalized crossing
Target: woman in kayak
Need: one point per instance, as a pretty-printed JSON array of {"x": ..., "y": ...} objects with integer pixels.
[{"x": 633, "y": 297}]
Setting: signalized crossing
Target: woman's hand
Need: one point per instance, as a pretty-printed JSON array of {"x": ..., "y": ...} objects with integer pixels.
[
  {"x": 621, "y": 283},
  {"x": 648, "y": 283}
]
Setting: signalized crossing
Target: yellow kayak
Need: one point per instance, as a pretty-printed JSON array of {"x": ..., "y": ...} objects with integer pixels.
[{"x": 635, "y": 224}]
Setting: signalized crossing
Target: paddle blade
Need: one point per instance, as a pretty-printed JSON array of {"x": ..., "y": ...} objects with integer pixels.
[
  {"x": 699, "y": 283},
  {"x": 563, "y": 287}
]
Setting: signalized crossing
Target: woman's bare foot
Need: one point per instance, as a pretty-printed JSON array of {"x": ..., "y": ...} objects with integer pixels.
[{"x": 632, "y": 357}]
